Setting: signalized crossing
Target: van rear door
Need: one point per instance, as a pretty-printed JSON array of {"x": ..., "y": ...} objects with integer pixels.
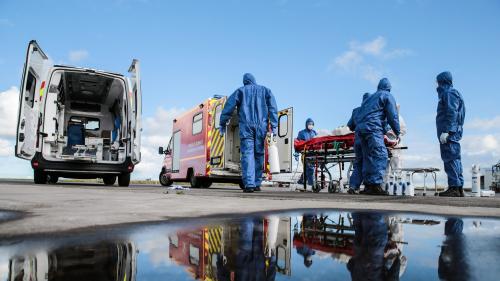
[
  {"x": 285, "y": 139},
  {"x": 135, "y": 111},
  {"x": 34, "y": 73}
]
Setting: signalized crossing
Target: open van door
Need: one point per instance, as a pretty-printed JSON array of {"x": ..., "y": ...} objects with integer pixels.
[
  {"x": 34, "y": 73},
  {"x": 285, "y": 139},
  {"x": 135, "y": 111}
]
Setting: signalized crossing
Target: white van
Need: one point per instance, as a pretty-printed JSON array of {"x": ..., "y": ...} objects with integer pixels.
[{"x": 78, "y": 122}]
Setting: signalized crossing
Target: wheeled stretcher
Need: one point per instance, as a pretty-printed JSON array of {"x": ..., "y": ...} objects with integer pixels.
[{"x": 325, "y": 153}]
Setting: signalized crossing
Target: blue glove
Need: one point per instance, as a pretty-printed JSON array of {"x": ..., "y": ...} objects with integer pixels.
[
  {"x": 296, "y": 156},
  {"x": 222, "y": 130}
]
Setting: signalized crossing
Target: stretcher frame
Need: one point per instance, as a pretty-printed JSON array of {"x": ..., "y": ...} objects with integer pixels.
[{"x": 330, "y": 152}]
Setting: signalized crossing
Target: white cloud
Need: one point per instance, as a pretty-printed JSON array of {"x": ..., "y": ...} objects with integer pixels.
[
  {"x": 77, "y": 55},
  {"x": 484, "y": 124},
  {"x": 361, "y": 58},
  {"x": 6, "y": 22},
  {"x": 374, "y": 47},
  {"x": 157, "y": 132},
  {"x": 9, "y": 104},
  {"x": 6, "y": 148},
  {"x": 482, "y": 145}
]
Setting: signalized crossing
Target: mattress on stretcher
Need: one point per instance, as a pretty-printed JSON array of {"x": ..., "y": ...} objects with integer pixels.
[{"x": 347, "y": 141}]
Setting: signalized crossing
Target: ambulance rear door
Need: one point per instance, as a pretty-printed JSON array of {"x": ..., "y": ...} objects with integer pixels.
[
  {"x": 285, "y": 139},
  {"x": 135, "y": 110},
  {"x": 34, "y": 75},
  {"x": 216, "y": 140}
]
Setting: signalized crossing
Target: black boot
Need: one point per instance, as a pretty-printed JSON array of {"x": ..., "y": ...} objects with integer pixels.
[
  {"x": 461, "y": 190},
  {"x": 377, "y": 190},
  {"x": 450, "y": 192},
  {"x": 352, "y": 191},
  {"x": 366, "y": 190},
  {"x": 248, "y": 190}
]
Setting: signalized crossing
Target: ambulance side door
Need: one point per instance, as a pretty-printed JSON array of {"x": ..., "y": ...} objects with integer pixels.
[
  {"x": 285, "y": 139},
  {"x": 34, "y": 73},
  {"x": 135, "y": 111}
]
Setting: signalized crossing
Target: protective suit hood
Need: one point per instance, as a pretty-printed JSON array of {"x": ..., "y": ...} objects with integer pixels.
[
  {"x": 445, "y": 78},
  {"x": 384, "y": 85},
  {"x": 309, "y": 120},
  {"x": 249, "y": 79}
]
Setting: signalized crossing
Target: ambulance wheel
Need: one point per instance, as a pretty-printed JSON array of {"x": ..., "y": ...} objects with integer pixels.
[
  {"x": 165, "y": 180},
  {"x": 206, "y": 183},
  {"x": 52, "y": 179},
  {"x": 193, "y": 180},
  {"x": 109, "y": 180},
  {"x": 39, "y": 177},
  {"x": 124, "y": 179}
]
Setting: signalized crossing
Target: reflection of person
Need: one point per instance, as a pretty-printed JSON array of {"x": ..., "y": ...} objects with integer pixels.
[
  {"x": 307, "y": 253},
  {"x": 250, "y": 258},
  {"x": 256, "y": 108},
  {"x": 356, "y": 177},
  {"x": 370, "y": 244},
  {"x": 305, "y": 135},
  {"x": 375, "y": 111},
  {"x": 449, "y": 124},
  {"x": 453, "y": 260}
]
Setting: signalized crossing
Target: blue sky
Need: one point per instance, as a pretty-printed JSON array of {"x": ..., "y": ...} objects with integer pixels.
[{"x": 317, "y": 56}]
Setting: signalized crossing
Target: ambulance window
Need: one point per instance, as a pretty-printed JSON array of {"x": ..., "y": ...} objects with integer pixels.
[
  {"x": 30, "y": 89},
  {"x": 197, "y": 123},
  {"x": 218, "y": 111},
  {"x": 194, "y": 255},
  {"x": 283, "y": 125}
]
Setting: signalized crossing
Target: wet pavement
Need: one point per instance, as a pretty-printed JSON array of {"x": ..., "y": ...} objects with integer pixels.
[{"x": 296, "y": 245}]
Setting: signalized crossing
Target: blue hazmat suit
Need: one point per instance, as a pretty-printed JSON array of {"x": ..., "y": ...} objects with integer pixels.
[
  {"x": 250, "y": 258},
  {"x": 370, "y": 240},
  {"x": 256, "y": 109},
  {"x": 305, "y": 135},
  {"x": 377, "y": 109},
  {"x": 453, "y": 261},
  {"x": 356, "y": 177},
  {"x": 450, "y": 119}
]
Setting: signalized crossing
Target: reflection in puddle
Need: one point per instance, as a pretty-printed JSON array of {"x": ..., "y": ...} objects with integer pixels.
[{"x": 288, "y": 246}]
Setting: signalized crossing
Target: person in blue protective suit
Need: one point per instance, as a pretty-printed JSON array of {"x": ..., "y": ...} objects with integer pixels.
[
  {"x": 377, "y": 109},
  {"x": 453, "y": 261},
  {"x": 449, "y": 124},
  {"x": 305, "y": 135},
  {"x": 256, "y": 111},
  {"x": 371, "y": 237},
  {"x": 356, "y": 177}
]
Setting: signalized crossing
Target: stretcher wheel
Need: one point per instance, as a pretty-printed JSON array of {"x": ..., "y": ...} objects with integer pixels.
[{"x": 332, "y": 187}]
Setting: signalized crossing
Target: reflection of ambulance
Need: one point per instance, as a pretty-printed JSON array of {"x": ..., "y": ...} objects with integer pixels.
[
  {"x": 199, "y": 154},
  {"x": 78, "y": 122}
]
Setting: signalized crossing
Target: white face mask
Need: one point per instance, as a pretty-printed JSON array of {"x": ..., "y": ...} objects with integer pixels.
[{"x": 310, "y": 127}]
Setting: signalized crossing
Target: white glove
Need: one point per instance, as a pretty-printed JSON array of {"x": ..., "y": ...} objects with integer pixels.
[{"x": 443, "y": 138}]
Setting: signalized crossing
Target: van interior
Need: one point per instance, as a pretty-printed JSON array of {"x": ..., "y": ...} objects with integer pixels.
[
  {"x": 232, "y": 145},
  {"x": 85, "y": 117}
]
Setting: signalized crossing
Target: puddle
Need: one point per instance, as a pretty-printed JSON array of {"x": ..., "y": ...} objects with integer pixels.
[{"x": 284, "y": 246}]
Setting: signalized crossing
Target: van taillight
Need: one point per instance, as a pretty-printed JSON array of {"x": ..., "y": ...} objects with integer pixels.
[
  {"x": 130, "y": 168},
  {"x": 35, "y": 164}
]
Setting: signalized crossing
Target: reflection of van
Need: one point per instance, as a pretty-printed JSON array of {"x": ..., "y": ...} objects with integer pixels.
[
  {"x": 77, "y": 122},
  {"x": 197, "y": 153}
]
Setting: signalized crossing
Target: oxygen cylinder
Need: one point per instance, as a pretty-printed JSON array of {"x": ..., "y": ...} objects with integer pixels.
[
  {"x": 272, "y": 156},
  {"x": 409, "y": 185},
  {"x": 476, "y": 189}
]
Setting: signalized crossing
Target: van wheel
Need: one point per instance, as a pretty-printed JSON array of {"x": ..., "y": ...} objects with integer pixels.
[
  {"x": 165, "y": 180},
  {"x": 124, "y": 179},
  {"x": 39, "y": 177},
  {"x": 109, "y": 180},
  {"x": 52, "y": 179},
  {"x": 194, "y": 181},
  {"x": 206, "y": 183}
]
